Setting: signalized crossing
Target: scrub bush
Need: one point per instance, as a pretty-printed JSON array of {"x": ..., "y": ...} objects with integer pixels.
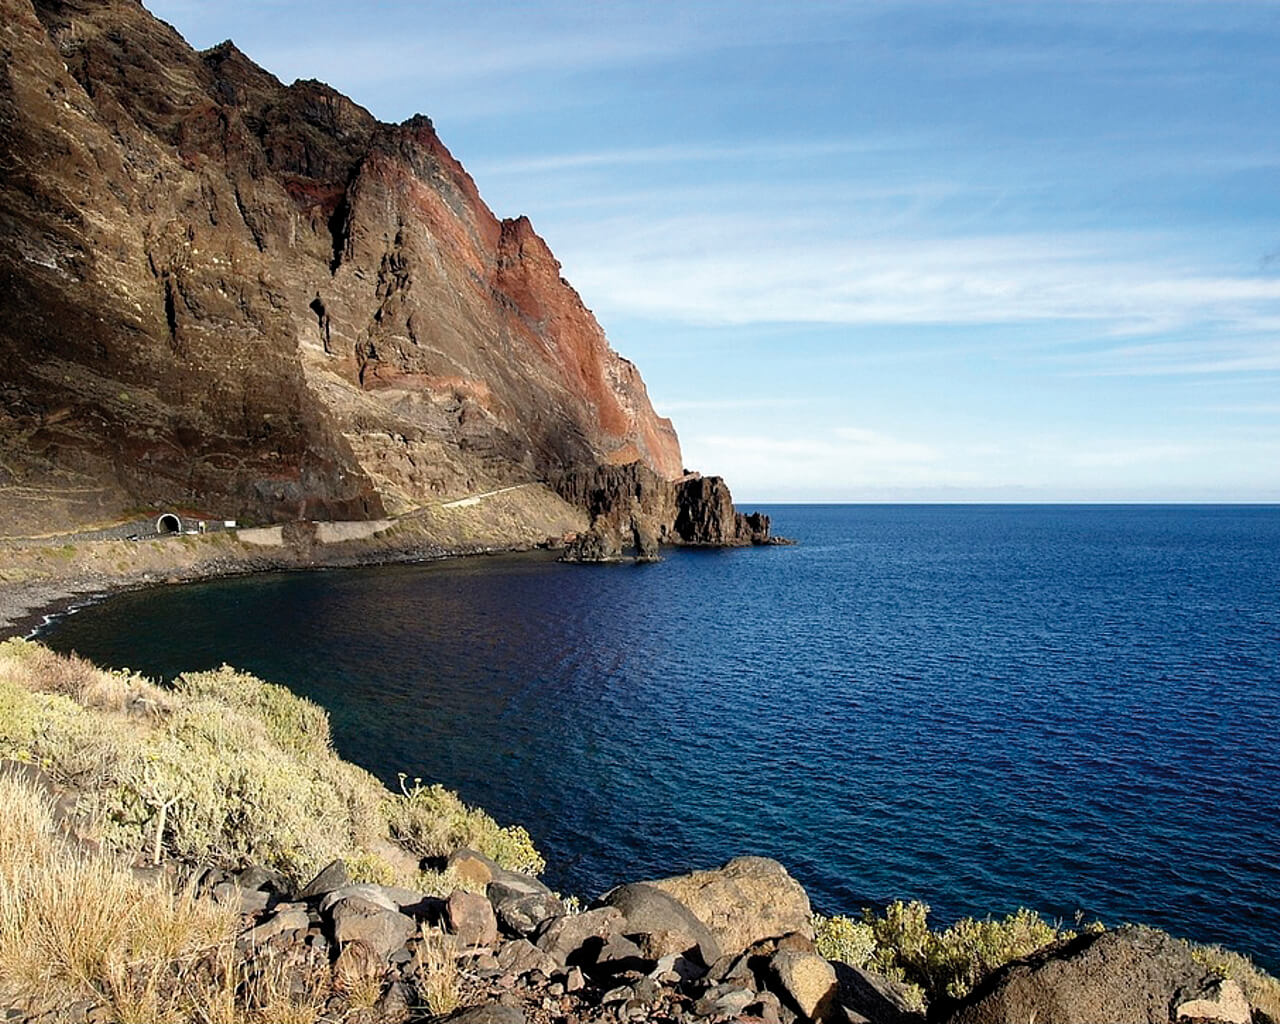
[
  {"x": 844, "y": 939},
  {"x": 224, "y": 769},
  {"x": 293, "y": 723},
  {"x": 433, "y": 822},
  {"x": 950, "y": 962}
]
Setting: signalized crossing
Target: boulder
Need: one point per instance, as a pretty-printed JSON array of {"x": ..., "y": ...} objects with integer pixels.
[
  {"x": 470, "y": 916},
  {"x": 767, "y": 1009},
  {"x": 255, "y": 878},
  {"x": 1222, "y": 1000},
  {"x": 289, "y": 918},
  {"x": 392, "y": 897},
  {"x": 619, "y": 954},
  {"x": 520, "y": 956},
  {"x": 1133, "y": 975},
  {"x": 472, "y": 868},
  {"x": 873, "y": 997},
  {"x": 734, "y": 967},
  {"x": 576, "y": 939},
  {"x": 248, "y": 901},
  {"x": 522, "y": 903},
  {"x": 723, "y": 1001},
  {"x": 660, "y": 923},
  {"x": 356, "y": 919},
  {"x": 805, "y": 981},
  {"x": 333, "y": 875},
  {"x": 491, "y": 1013},
  {"x": 677, "y": 969},
  {"x": 368, "y": 893},
  {"x": 744, "y": 902}
]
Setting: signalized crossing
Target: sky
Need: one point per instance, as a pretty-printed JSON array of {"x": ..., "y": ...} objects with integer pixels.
[{"x": 877, "y": 250}]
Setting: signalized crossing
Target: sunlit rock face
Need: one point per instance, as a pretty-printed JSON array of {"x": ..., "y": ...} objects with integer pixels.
[{"x": 222, "y": 291}]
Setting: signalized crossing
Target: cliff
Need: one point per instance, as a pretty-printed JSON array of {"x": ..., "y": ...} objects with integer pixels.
[
  {"x": 631, "y": 507},
  {"x": 224, "y": 293}
]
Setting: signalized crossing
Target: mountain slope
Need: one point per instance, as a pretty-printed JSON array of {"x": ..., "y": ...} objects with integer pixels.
[{"x": 254, "y": 299}]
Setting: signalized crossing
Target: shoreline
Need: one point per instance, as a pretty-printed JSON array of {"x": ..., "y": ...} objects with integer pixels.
[
  {"x": 25, "y": 608},
  {"x": 48, "y": 576}
]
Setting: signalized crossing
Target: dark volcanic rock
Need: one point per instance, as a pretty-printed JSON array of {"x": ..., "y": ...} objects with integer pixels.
[
  {"x": 631, "y": 507},
  {"x": 668, "y": 924},
  {"x": 874, "y": 997},
  {"x": 1132, "y": 975},
  {"x": 522, "y": 903}
]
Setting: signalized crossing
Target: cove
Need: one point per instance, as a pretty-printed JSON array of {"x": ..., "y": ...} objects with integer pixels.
[{"x": 1068, "y": 708}]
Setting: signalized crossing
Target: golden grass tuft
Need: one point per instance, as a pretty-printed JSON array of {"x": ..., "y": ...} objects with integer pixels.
[
  {"x": 75, "y": 925},
  {"x": 436, "y": 973}
]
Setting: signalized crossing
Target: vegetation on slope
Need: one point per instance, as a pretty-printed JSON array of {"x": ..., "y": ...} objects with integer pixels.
[
  {"x": 948, "y": 963},
  {"x": 224, "y": 769}
]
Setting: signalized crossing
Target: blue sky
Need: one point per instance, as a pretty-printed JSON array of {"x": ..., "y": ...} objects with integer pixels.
[{"x": 1022, "y": 250}]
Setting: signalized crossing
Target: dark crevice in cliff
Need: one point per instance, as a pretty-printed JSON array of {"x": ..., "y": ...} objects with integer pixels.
[
  {"x": 340, "y": 227},
  {"x": 170, "y": 312},
  {"x": 322, "y": 319}
]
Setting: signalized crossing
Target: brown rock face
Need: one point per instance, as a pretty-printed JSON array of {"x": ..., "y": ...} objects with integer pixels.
[
  {"x": 746, "y": 901},
  {"x": 1132, "y": 975},
  {"x": 632, "y": 507},
  {"x": 224, "y": 292}
]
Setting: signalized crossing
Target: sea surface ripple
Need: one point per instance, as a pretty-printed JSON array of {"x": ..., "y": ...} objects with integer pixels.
[{"x": 1071, "y": 708}]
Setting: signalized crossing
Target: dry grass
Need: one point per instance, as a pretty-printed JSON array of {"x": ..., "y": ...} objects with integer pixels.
[
  {"x": 39, "y": 669},
  {"x": 221, "y": 770},
  {"x": 73, "y": 925},
  {"x": 436, "y": 972}
]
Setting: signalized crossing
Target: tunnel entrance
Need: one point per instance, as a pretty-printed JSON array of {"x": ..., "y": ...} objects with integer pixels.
[{"x": 168, "y": 524}]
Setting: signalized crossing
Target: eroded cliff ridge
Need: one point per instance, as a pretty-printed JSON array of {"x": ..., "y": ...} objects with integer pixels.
[{"x": 227, "y": 293}]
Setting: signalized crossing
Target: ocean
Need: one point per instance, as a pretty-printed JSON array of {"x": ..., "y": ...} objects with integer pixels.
[{"x": 1070, "y": 708}]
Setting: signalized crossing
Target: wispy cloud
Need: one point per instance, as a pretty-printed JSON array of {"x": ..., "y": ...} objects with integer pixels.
[
  {"x": 1220, "y": 354},
  {"x": 718, "y": 271},
  {"x": 686, "y": 153}
]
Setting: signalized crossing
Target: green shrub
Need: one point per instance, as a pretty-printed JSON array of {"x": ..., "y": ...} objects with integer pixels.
[
  {"x": 225, "y": 769},
  {"x": 19, "y": 717},
  {"x": 294, "y": 723},
  {"x": 950, "y": 962},
  {"x": 844, "y": 939},
  {"x": 433, "y": 822}
]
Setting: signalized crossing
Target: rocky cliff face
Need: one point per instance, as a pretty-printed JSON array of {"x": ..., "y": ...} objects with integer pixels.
[
  {"x": 631, "y": 507},
  {"x": 256, "y": 299}
]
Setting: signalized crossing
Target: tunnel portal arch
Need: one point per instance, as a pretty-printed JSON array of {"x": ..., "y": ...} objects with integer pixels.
[{"x": 168, "y": 524}]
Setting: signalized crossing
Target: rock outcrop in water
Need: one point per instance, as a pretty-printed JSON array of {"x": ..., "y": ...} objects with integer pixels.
[
  {"x": 226, "y": 293},
  {"x": 631, "y": 507}
]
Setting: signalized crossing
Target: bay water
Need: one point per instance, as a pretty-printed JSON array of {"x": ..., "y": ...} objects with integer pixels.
[{"x": 1070, "y": 708}]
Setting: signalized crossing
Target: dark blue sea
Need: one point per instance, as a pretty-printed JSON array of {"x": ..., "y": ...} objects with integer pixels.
[{"x": 1073, "y": 709}]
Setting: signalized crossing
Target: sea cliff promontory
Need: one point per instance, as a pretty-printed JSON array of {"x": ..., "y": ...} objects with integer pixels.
[
  {"x": 256, "y": 302},
  {"x": 227, "y": 302}
]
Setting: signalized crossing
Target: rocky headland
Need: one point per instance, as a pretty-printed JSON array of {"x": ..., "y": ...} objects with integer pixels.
[
  {"x": 236, "y": 300},
  {"x": 255, "y": 301}
]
